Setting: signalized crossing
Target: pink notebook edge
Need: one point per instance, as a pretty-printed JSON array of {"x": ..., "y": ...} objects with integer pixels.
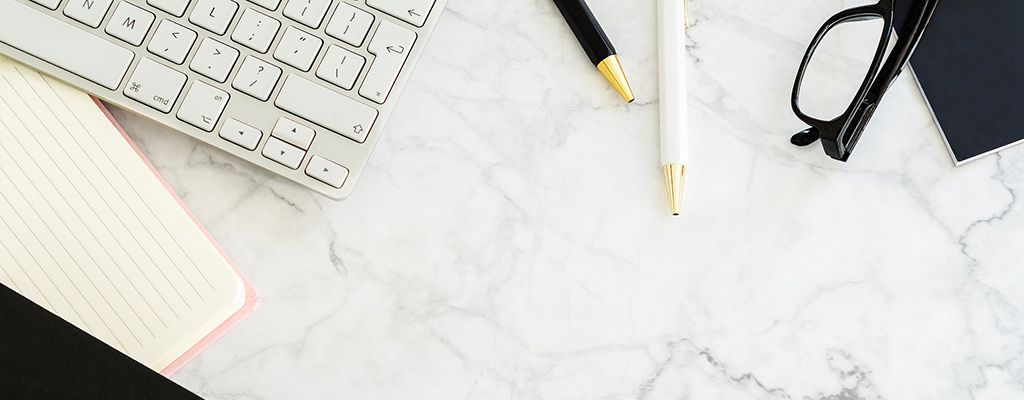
[{"x": 251, "y": 297}]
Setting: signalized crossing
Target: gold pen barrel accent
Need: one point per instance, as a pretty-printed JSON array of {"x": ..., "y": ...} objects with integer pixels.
[
  {"x": 611, "y": 68},
  {"x": 675, "y": 177},
  {"x": 686, "y": 14}
]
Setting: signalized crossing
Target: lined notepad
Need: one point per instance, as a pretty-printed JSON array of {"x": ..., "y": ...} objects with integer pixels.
[{"x": 88, "y": 231}]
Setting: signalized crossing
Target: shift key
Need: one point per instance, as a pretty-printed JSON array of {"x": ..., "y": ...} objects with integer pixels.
[{"x": 326, "y": 108}]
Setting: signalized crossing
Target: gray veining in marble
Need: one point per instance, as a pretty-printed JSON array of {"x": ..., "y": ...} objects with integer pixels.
[{"x": 510, "y": 239}]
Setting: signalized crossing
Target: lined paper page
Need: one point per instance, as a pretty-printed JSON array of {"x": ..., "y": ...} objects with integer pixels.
[{"x": 90, "y": 233}]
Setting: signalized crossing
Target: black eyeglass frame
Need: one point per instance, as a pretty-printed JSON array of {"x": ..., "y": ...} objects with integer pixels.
[{"x": 840, "y": 135}]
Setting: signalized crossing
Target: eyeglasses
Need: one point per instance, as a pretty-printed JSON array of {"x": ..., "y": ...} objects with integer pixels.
[{"x": 847, "y": 69}]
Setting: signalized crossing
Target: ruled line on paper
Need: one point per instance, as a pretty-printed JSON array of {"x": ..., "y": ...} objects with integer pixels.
[
  {"x": 77, "y": 190},
  {"x": 28, "y": 276},
  {"x": 14, "y": 260},
  {"x": 82, "y": 216},
  {"x": 3, "y": 267},
  {"x": 124, "y": 224},
  {"x": 36, "y": 260},
  {"x": 10, "y": 278},
  {"x": 152, "y": 260},
  {"x": 35, "y": 285},
  {"x": 56, "y": 239},
  {"x": 99, "y": 244},
  {"x": 119, "y": 315},
  {"x": 83, "y": 246},
  {"x": 146, "y": 205},
  {"x": 152, "y": 214}
]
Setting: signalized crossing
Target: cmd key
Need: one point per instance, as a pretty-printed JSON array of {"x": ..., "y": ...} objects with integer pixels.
[{"x": 155, "y": 85}]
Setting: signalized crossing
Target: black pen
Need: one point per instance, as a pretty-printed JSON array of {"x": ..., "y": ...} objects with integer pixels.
[{"x": 596, "y": 44}]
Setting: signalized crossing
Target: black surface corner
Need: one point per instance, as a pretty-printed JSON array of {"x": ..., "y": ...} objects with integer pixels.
[{"x": 43, "y": 357}]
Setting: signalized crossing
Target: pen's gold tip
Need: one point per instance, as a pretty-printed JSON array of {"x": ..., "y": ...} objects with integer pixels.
[
  {"x": 612, "y": 70},
  {"x": 675, "y": 177}
]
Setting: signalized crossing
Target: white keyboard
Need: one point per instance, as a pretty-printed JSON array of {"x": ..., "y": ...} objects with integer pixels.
[{"x": 299, "y": 87}]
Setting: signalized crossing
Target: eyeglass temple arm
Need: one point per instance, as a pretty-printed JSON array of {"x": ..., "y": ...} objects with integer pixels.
[{"x": 909, "y": 37}]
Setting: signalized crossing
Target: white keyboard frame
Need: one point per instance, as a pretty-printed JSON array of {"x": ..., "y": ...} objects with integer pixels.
[{"x": 244, "y": 108}]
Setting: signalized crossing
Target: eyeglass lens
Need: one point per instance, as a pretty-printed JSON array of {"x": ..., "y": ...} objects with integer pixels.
[{"x": 838, "y": 67}]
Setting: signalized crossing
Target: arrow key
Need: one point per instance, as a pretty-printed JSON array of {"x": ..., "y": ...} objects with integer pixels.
[
  {"x": 172, "y": 42},
  {"x": 412, "y": 11},
  {"x": 327, "y": 171},
  {"x": 284, "y": 153},
  {"x": 241, "y": 134},
  {"x": 294, "y": 133}
]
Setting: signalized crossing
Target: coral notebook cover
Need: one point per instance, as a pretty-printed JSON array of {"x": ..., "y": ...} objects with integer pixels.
[{"x": 251, "y": 297}]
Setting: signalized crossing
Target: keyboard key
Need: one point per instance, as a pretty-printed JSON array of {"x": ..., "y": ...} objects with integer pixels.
[
  {"x": 89, "y": 12},
  {"x": 391, "y": 44},
  {"x": 307, "y": 12},
  {"x": 268, "y": 4},
  {"x": 82, "y": 54},
  {"x": 241, "y": 134},
  {"x": 203, "y": 106},
  {"x": 214, "y": 15},
  {"x": 51, "y": 4},
  {"x": 214, "y": 60},
  {"x": 155, "y": 85},
  {"x": 255, "y": 30},
  {"x": 341, "y": 67},
  {"x": 298, "y": 49},
  {"x": 284, "y": 153},
  {"x": 326, "y": 107},
  {"x": 412, "y": 11},
  {"x": 173, "y": 7},
  {"x": 172, "y": 42},
  {"x": 257, "y": 78},
  {"x": 130, "y": 23},
  {"x": 326, "y": 171},
  {"x": 350, "y": 24},
  {"x": 294, "y": 133}
]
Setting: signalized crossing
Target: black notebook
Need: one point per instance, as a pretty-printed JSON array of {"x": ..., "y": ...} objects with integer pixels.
[
  {"x": 970, "y": 66},
  {"x": 43, "y": 357}
]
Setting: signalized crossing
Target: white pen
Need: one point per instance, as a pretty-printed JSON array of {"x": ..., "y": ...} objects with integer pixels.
[{"x": 672, "y": 73}]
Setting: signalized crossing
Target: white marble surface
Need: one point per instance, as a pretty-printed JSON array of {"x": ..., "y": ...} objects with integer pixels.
[{"x": 510, "y": 239}]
